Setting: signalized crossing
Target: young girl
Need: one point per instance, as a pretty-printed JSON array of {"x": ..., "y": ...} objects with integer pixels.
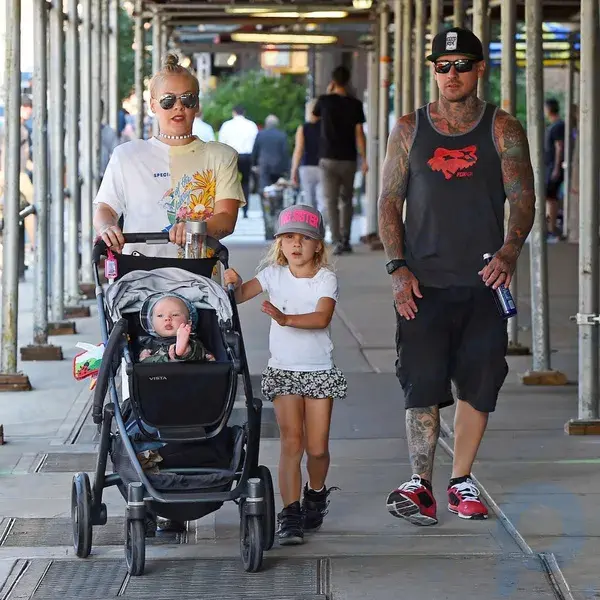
[{"x": 300, "y": 378}]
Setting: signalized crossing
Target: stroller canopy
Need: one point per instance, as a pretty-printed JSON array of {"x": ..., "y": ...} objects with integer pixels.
[{"x": 129, "y": 293}]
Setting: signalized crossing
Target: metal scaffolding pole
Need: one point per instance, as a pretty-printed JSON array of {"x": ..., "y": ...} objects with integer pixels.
[
  {"x": 459, "y": 13},
  {"x": 96, "y": 93},
  {"x": 419, "y": 52},
  {"x": 535, "y": 132},
  {"x": 114, "y": 104},
  {"x": 139, "y": 68},
  {"x": 434, "y": 26},
  {"x": 40, "y": 160},
  {"x": 372, "y": 182},
  {"x": 384, "y": 85},
  {"x": 87, "y": 276},
  {"x": 397, "y": 62},
  {"x": 105, "y": 37},
  {"x": 12, "y": 168},
  {"x": 481, "y": 29},
  {"x": 57, "y": 156},
  {"x": 588, "y": 318},
  {"x": 165, "y": 32},
  {"x": 156, "y": 55},
  {"x": 508, "y": 84},
  {"x": 407, "y": 55},
  {"x": 73, "y": 291},
  {"x": 570, "y": 76}
]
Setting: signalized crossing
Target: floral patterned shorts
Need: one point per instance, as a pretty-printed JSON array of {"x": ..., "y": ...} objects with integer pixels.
[{"x": 312, "y": 384}]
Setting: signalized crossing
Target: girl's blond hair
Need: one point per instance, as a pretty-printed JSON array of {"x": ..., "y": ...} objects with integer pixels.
[
  {"x": 170, "y": 67},
  {"x": 275, "y": 256}
]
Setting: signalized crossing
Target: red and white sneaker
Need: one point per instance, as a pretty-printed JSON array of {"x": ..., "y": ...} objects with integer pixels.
[
  {"x": 414, "y": 502},
  {"x": 463, "y": 500}
]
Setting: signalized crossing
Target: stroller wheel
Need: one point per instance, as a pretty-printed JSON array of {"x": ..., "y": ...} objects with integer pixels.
[
  {"x": 81, "y": 514},
  {"x": 251, "y": 543},
  {"x": 268, "y": 518},
  {"x": 135, "y": 546}
]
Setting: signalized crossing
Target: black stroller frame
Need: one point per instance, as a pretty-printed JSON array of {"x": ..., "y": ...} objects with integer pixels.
[{"x": 253, "y": 491}]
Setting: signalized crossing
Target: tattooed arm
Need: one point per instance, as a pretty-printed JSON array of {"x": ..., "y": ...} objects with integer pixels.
[
  {"x": 517, "y": 174},
  {"x": 391, "y": 203}
]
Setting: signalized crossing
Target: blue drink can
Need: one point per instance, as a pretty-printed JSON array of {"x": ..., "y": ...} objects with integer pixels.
[{"x": 502, "y": 296}]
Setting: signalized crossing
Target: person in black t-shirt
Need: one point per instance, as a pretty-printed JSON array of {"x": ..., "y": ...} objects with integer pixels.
[
  {"x": 342, "y": 138},
  {"x": 553, "y": 159}
]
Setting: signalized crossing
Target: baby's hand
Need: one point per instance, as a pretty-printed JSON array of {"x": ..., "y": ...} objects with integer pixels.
[
  {"x": 146, "y": 353},
  {"x": 230, "y": 276},
  {"x": 182, "y": 346}
]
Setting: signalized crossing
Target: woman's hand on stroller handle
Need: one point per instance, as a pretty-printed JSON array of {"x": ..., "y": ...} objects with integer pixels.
[{"x": 112, "y": 236}]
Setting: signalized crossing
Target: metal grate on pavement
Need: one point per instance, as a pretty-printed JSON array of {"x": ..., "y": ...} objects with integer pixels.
[
  {"x": 89, "y": 580},
  {"x": 283, "y": 579},
  {"x": 63, "y": 462},
  {"x": 39, "y": 533},
  {"x": 226, "y": 580}
]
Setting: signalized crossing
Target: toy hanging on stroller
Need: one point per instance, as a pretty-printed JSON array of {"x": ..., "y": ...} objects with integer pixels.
[{"x": 173, "y": 405}]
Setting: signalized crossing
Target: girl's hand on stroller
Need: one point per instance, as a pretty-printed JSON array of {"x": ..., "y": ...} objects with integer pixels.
[
  {"x": 230, "y": 276},
  {"x": 182, "y": 345},
  {"x": 177, "y": 234},
  {"x": 112, "y": 237},
  {"x": 279, "y": 317}
]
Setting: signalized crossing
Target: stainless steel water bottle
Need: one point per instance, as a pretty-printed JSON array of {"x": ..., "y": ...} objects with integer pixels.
[
  {"x": 502, "y": 296},
  {"x": 195, "y": 239}
]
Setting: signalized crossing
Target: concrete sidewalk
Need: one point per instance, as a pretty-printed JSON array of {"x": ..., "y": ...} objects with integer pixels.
[{"x": 542, "y": 481}]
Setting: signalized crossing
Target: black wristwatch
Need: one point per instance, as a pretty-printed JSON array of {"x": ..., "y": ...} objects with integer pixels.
[{"x": 395, "y": 264}]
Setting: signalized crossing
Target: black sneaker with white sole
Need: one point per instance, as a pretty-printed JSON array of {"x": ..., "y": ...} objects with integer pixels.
[
  {"x": 314, "y": 506},
  {"x": 290, "y": 531}
]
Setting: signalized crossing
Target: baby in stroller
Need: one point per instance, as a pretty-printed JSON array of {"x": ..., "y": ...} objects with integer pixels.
[{"x": 171, "y": 321}]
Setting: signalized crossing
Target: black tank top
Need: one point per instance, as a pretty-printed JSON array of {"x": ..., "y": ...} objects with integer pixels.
[
  {"x": 312, "y": 132},
  {"x": 454, "y": 202}
]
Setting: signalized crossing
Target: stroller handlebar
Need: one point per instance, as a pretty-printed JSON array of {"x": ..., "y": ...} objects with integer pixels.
[{"x": 100, "y": 248}]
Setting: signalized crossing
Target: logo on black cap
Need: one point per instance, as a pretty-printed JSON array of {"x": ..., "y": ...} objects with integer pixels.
[{"x": 451, "y": 40}]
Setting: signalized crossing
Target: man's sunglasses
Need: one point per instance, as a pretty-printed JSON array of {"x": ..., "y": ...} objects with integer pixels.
[
  {"x": 188, "y": 100},
  {"x": 462, "y": 65}
]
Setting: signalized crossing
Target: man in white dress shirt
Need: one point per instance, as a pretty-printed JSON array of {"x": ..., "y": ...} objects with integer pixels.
[
  {"x": 240, "y": 133},
  {"x": 201, "y": 129}
]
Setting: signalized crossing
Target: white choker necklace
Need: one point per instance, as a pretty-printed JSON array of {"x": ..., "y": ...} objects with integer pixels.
[{"x": 176, "y": 137}]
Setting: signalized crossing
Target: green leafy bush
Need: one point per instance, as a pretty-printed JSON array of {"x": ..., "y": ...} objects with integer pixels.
[{"x": 261, "y": 95}]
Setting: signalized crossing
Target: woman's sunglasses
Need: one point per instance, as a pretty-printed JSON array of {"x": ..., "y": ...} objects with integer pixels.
[
  {"x": 462, "y": 65},
  {"x": 188, "y": 100}
]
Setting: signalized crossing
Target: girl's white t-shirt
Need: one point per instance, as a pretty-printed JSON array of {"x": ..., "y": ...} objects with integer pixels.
[
  {"x": 154, "y": 185},
  {"x": 295, "y": 349}
]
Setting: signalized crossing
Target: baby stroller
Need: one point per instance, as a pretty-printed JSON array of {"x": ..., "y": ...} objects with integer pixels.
[
  {"x": 162, "y": 398},
  {"x": 275, "y": 198}
]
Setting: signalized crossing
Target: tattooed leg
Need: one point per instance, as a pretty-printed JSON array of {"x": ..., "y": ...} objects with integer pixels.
[{"x": 422, "y": 432}]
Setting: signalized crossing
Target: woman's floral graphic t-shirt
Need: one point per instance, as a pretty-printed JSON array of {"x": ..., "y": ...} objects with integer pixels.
[{"x": 154, "y": 185}]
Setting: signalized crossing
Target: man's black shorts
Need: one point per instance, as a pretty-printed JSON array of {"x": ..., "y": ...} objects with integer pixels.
[
  {"x": 458, "y": 335},
  {"x": 553, "y": 187}
]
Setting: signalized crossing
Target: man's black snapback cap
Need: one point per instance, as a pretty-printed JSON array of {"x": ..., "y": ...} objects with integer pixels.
[{"x": 456, "y": 41}]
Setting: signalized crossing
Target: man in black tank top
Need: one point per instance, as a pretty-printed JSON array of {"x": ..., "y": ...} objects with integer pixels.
[{"x": 454, "y": 163}]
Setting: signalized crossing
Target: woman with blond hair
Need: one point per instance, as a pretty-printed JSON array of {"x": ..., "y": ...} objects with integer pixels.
[{"x": 159, "y": 183}]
